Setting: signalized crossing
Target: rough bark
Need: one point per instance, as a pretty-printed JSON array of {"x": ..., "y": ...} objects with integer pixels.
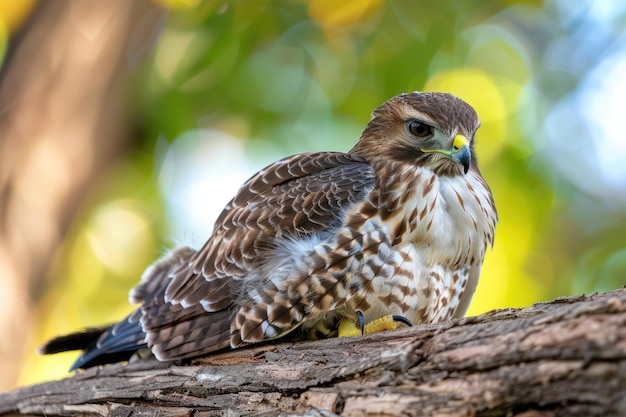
[
  {"x": 566, "y": 357},
  {"x": 62, "y": 124}
]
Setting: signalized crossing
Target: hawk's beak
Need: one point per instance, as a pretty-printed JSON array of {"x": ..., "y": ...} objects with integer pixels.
[{"x": 460, "y": 152}]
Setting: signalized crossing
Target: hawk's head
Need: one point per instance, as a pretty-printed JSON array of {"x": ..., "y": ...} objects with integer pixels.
[{"x": 429, "y": 129}]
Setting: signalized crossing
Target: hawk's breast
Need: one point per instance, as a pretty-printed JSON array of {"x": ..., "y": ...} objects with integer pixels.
[{"x": 437, "y": 234}]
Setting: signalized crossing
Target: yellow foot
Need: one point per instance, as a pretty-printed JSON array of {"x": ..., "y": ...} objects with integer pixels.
[{"x": 390, "y": 322}]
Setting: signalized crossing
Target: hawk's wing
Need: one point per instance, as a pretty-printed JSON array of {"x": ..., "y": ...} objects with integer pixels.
[{"x": 298, "y": 196}]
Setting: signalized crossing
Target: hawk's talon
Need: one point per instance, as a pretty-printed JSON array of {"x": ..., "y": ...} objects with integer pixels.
[
  {"x": 402, "y": 319},
  {"x": 360, "y": 319},
  {"x": 388, "y": 322},
  {"x": 348, "y": 327}
]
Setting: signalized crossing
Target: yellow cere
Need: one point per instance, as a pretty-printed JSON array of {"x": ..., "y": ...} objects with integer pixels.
[{"x": 459, "y": 142}]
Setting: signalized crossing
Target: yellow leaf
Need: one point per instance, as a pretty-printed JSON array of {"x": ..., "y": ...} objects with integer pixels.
[
  {"x": 333, "y": 14},
  {"x": 13, "y": 12}
]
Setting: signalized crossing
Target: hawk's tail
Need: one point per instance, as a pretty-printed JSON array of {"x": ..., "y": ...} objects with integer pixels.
[
  {"x": 102, "y": 345},
  {"x": 74, "y": 341}
]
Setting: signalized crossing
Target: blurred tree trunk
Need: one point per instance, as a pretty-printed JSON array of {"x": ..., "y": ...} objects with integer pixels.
[
  {"x": 562, "y": 358},
  {"x": 61, "y": 125}
]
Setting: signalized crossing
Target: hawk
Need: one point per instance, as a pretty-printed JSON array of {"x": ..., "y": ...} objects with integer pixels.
[{"x": 396, "y": 227}]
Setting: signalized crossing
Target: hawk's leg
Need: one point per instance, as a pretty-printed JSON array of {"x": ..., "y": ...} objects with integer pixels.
[{"x": 348, "y": 327}]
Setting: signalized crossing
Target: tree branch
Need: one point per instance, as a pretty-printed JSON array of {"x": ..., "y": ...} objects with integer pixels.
[
  {"x": 62, "y": 125},
  {"x": 564, "y": 357}
]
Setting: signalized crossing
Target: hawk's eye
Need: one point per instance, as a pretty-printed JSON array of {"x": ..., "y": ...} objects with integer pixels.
[{"x": 419, "y": 129}]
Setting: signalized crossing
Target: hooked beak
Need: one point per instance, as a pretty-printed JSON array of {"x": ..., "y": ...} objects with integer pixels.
[{"x": 460, "y": 152}]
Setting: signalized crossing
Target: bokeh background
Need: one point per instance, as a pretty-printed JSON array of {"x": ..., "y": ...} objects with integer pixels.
[{"x": 126, "y": 126}]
